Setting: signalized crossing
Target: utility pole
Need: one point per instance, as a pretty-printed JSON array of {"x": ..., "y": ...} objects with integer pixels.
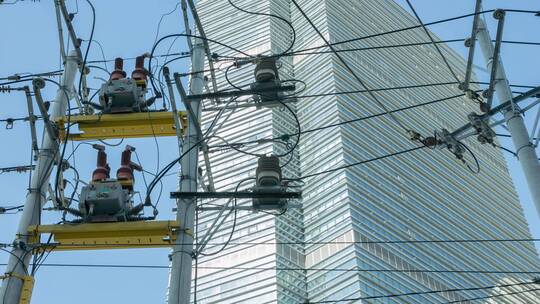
[
  {"x": 524, "y": 148},
  {"x": 17, "y": 267},
  {"x": 182, "y": 253}
]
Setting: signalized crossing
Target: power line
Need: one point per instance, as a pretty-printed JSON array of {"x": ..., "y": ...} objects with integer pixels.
[
  {"x": 307, "y": 52},
  {"x": 411, "y": 28},
  {"x": 133, "y": 58},
  {"x": 433, "y": 41},
  {"x": 353, "y": 73},
  {"x": 356, "y": 163},
  {"x": 495, "y": 296},
  {"x": 425, "y": 292},
  {"x": 135, "y": 266},
  {"x": 3, "y": 210},
  {"x": 381, "y": 114},
  {"x": 284, "y": 136},
  {"x": 17, "y": 169}
]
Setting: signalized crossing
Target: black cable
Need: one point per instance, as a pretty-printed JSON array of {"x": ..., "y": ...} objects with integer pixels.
[
  {"x": 381, "y": 114},
  {"x": 422, "y": 293},
  {"x": 348, "y": 121},
  {"x": 355, "y": 164},
  {"x": 374, "y": 35},
  {"x": 433, "y": 41},
  {"x": 297, "y": 135},
  {"x": 351, "y": 71},
  {"x": 99, "y": 68},
  {"x": 134, "y": 58},
  {"x": 302, "y": 53},
  {"x": 292, "y": 269},
  {"x": 235, "y": 210},
  {"x": 20, "y": 260},
  {"x": 477, "y": 170},
  {"x": 408, "y": 28},
  {"x": 83, "y": 66},
  {"x": 505, "y": 149},
  {"x": 104, "y": 61},
  {"x": 183, "y": 35},
  {"x": 4, "y": 209},
  {"x": 16, "y": 77},
  {"x": 403, "y": 29},
  {"x": 520, "y": 42},
  {"x": 494, "y": 296},
  {"x": 167, "y": 168},
  {"x": 229, "y": 80},
  {"x": 67, "y": 132},
  {"x": 161, "y": 20},
  {"x": 271, "y": 16}
]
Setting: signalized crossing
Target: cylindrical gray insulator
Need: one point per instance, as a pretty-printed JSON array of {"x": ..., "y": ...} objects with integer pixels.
[
  {"x": 268, "y": 171},
  {"x": 266, "y": 70}
]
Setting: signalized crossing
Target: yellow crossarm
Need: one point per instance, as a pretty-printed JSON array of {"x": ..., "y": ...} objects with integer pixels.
[
  {"x": 118, "y": 235},
  {"x": 122, "y": 125}
]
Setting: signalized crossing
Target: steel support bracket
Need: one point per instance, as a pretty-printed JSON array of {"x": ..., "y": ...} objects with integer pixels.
[
  {"x": 92, "y": 236},
  {"x": 125, "y": 125}
]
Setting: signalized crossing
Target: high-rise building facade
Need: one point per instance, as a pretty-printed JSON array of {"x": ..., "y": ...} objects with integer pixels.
[{"x": 348, "y": 214}]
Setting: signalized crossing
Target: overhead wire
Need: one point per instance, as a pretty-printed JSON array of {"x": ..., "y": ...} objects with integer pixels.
[
  {"x": 356, "y": 164},
  {"x": 289, "y": 24},
  {"x": 416, "y": 293},
  {"x": 184, "y": 35},
  {"x": 413, "y": 27},
  {"x": 494, "y": 296},
  {"x": 315, "y": 129},
  {"x": 344, "y": 270},
  {"x": 450, "y": 69},
  {"x": 233, "y": 227},
  {"x": 83, "y": 65},
  {"x": 351, "y": 71},
  {"x": 418, "y": 147}
]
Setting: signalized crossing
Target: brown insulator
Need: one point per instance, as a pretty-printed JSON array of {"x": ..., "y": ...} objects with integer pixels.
[
  {"x": 102, "y": 170},
  {"x": 125, "y": 172},
  {"x": 430, "y": 142},
  {"x": 140, "y": 73},
  {"x": 118, "y": 72}
]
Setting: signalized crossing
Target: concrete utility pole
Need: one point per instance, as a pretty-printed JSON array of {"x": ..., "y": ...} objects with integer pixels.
[
  {"x": 182, "y": 254},
  {"x": 525, "y": 150},
  {"x": 17, "y": 267}
]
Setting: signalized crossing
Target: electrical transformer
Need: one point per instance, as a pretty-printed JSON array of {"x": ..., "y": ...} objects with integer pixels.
[
  {"x": 107, "y": 199},
  {"x": 125, "y": 95}
]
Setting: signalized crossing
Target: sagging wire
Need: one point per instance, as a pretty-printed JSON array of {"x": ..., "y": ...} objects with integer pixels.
[
  {"x": 233, "y": 228},
  {"x": 154, "y": 47},
  {"x": 284, "y": 139},
  {"x": 83, "y": 65},
  {"x": 289, "y": 24}
]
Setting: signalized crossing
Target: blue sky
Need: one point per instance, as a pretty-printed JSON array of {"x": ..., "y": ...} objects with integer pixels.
[{"x": 128, "y": 28}]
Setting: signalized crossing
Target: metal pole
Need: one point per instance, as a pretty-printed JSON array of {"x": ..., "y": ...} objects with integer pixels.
[
  {"x": 20, "y": 255},
  {"x": 499, "y": 15},
  {"x": 525, "y": 150},
  {"x": 182, "y": 254},
  {"x": 177, "y": 123},
  {"x": 60, "y": 31},
  {"x": 472, "y": 45}
]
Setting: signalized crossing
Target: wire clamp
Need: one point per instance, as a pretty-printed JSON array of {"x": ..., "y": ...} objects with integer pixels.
[{"x": 484, "y": 131}]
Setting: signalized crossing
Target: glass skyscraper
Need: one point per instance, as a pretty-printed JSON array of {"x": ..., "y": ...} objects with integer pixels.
[{"x": 333, "y": 249}]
